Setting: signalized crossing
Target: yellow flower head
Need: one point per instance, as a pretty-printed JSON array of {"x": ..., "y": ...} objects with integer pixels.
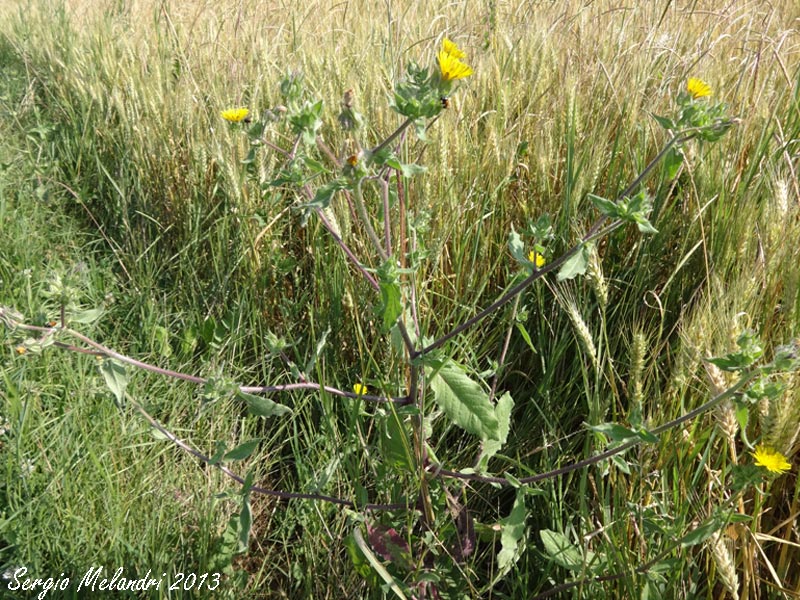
[
  {"x": 450, "y": 62},
  {"x": 536, "y": 258},
  {"x": 449, "y": 47},
  {"x": 698, "y": 88},
  {"x": 20, "y": 350},
  {"x": 771, "y": 460},
  {"x": 360, "y": 389},
  {"x": 235, "y": 115}
]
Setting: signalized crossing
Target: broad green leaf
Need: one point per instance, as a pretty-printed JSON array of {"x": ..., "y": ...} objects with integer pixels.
[
  {"x": 245, "y": 514},
  {"x": 517, "y": 247},
  {"x": 511, "y": 539},
  {"x": 263, "y": 407},
  {"x": 620, "y": 433},
  {"x": 390, "y": 307},
  {"x": 621, "y": 464},
  {"x": 742, "y": 413},
  {"x": 87, "y": 317},
  {"x": 395, "y": 443},
  {"x": 701, "y": 533},
  {"x": 605, "y": 206},
  {"x": 243, "y": 450},
  {"x": 672, "y": 162},
  {"x": 317, "y": 351},
  {"x": 219, "y": 452},
  {"x": 562, "y": 552},
  {"x": 644, "y": 225},
  {"x": 408, "y": 170},
  {"x": 664, "y": 121},
  {"x": 325, "y": 193},
  {"x": 575, "y": 265},
  {"x": 464, "y": 401},
  {"x": 116, "y": 378},
  {"x": 491, "y": 447}
]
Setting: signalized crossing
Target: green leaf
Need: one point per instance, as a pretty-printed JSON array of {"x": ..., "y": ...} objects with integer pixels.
[
  {"x": 218, "y": 453},
  {"x": 607, "y": 207},
  {"x": 575, "y": 265},
  {"x": 491, "y": 447},
  {"x": 395, "y": 443},
  {"x": 517, "y": 247},
  {"x": 620, "y": 434},
  {"x": 463, "y": 400},
  {"x": 116, "y": 378},
  {"x": 621, "y": 464},
  {"x": 750, "y": 351},
  {"x": 391, "y": 307},
  {"x": 663, "y": 121},
  {"x": 512, "y": 538},
  {"x": 325, "y": 193},
  {"x": 644, "y": 225},
  {"x": 408, "y": 170},
  {"x": 742, "y": 413},
  {"x": 263, "y": 407},
  {"x": 243, "y": 450},
  {"x": 561, "y": 551},
  {"x": 701, "y": 533},
  {"x": 245, "y": 514},
  {"x": 673, "y": 161},
  {"x": 526, "y": 336},
  {"x": 317, "y": 351},
  {"x": 87, "y": 316}
]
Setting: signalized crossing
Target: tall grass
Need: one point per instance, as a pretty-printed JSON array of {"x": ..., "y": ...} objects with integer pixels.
[{"x": 115, "y": 118}]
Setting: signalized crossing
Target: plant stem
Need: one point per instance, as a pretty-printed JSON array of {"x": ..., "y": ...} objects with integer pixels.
[
  {"x": 403, "y": 126},
  {"x": 362, "y": 212}
]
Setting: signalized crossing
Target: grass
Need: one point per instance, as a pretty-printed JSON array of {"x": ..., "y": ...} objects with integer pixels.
[{"x": 121, "y": 184}]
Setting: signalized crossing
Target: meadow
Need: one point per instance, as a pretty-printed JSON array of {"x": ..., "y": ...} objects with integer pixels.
[{"x": 492, "y": 299}]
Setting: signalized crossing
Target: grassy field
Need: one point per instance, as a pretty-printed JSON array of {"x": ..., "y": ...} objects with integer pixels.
[{"x": 135, "y": 218}]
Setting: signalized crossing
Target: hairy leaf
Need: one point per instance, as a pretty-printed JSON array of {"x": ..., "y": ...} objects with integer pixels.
[{"x": 464, "y": 401}]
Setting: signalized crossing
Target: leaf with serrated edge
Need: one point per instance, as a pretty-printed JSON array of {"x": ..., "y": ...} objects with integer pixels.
[{"x": 464, "y": 401}]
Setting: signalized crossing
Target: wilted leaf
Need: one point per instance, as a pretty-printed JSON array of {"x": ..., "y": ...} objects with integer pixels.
[{"x": 390, "y": 545}]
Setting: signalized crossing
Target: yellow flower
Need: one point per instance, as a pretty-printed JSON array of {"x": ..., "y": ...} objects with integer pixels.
[
  {"x": 235, "y": 115},
  {"x": 449, "y": 47},
  {"x": 536, "y": 258},
  {"x": 771, "y": 460},
  {"x": 20, "y": 350},
  {"x": 450, "y": 62},
  {"x": 360, "y": 389},
  {"x": 698, "y": 88}
]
